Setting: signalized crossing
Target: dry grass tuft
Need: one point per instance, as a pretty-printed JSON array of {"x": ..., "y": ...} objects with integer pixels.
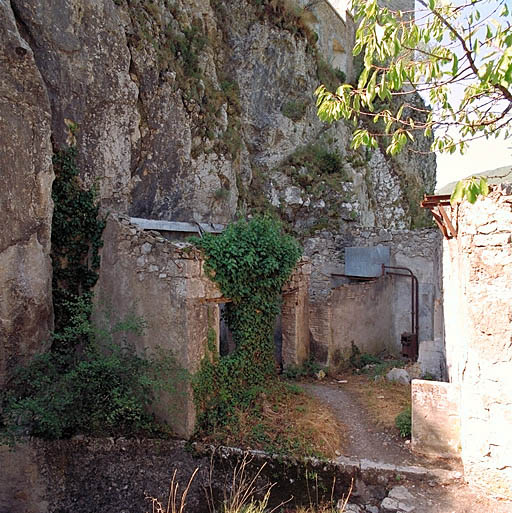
[
  {"x": 288, "y": 422},
  {"x": 383, "y": 399}
]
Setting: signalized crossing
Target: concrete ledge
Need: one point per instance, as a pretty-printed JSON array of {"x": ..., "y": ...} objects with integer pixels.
[{"x": 368, "y": 471}]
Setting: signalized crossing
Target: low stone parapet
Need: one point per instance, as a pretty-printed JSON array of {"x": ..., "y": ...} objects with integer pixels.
[{"x": 435, "y": 419}]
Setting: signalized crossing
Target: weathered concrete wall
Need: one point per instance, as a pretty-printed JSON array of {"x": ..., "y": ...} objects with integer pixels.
[
  {"x": 26, "y": 313},
  {"x": 361, "y": 314},
  {"x": 435, "y": 418},
  {"x": 164, "y": 283},
  {"x": 418, "y": 250},
  {"x": 295, "y": 317},
  {"x": 478, "y": 307},
  {"x": 354, "y": 313}
]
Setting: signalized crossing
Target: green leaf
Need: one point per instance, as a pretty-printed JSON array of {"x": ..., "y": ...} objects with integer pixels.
[{"x": 458, "y": 193}]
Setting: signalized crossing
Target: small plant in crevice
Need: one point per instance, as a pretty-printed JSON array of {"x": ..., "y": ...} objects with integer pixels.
[
  {"x": 250, "y": 261},
  {"x": 403, "y": 422},
  {"x": 294, "y": 109}
]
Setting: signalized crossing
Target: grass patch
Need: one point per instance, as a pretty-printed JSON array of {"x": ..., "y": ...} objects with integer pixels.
[
  {"x": 283, "y": 421},
  {"x": 403, "y": 422},
  {"x": 384, "y": 400},
  {"x": 295, "y": 109}
]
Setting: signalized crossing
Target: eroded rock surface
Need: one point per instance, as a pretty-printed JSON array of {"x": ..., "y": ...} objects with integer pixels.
[{"x": 25, "y": 200}]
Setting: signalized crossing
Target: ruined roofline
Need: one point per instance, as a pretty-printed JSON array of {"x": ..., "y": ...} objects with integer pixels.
[
  {"x": 176, "y": 226},
  {"x": 337, "y": 12}
]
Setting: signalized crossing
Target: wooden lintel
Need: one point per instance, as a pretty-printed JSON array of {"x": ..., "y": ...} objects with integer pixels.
[
  {"x": 447, "y": 220},
  {"x": 215, "y": 300}
]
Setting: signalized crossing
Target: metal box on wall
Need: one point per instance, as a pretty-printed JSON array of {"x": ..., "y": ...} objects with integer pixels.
[{"x": 366, "y": 262}]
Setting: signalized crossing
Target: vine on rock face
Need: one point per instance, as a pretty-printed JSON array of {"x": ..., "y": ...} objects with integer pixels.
[
  {"x": 250, "y": 261},
  {"x": 76, "y": 239}
]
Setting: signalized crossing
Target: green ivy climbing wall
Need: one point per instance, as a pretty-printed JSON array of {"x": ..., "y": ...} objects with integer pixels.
[{"x": 250, "y": 261}]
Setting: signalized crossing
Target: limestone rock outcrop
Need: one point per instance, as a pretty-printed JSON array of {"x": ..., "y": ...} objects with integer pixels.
[
  {"x": 185, "y": 111},
  {"x": 25, "y": 200}
]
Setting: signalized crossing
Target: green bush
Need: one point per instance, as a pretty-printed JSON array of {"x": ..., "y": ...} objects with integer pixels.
[
  {"x": 251, "y": 261},
  {"x": 309, "y": 369},
  {"x": 294, "y": 109},
  {"x": 403, "y": 422},
  {"x": 103, "y": 390}
]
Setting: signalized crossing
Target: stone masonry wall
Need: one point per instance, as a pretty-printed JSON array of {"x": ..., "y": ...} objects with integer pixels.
[
  {"x": 164, "y": 283},
  {"x": 478, "y": 309},
  {"x": 336, "y": 33},
  {"x": 295, "y": 316},
  {"x": 418, "y": 250}
]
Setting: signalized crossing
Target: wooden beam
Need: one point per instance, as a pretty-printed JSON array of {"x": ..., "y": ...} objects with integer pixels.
[
  {"x": 216, "y": 300},
  {"x": 447, "y": 220},
  {"x": 439, "y": 221}
]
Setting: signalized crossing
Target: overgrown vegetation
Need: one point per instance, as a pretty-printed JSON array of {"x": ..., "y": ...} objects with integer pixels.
[
  {"x": 316, "y": 168},
  {"x": 250, "y": 261},
  {"x": 295, "y": 109},
  {"x": 283, "y": 420},
  {"x": 86, "y": 383},
  {"x": 309, "y": 370},
  {"x": 103, "y": 390},
  {"x": 76, "y": 239},
  {"x": 371, "y": 364}
]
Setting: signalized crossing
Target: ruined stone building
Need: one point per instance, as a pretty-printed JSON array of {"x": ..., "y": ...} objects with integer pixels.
[{"x": 226, "y": 127}]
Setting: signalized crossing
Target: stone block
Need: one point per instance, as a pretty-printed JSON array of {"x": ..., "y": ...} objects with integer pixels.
[{"x": 435, "y": 419}]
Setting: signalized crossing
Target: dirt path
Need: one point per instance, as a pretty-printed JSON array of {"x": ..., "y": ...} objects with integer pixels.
[{"x": 367, "y": 440}]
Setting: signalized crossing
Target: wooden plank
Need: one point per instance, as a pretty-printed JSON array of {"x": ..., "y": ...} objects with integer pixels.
[
  {"x": 439, "y": 221},
  {"x": 448, "y": 221},
  {"x": 175, "y": 226},
  {"x": 215, "y": 300}
]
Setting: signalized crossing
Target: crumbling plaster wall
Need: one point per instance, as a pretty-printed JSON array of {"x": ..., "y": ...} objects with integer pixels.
[
  {"x": 478, "y": 308},
  {"x": 165, "y": 284},
  {"x": 295, "y": 316},
  {"x": 419, "y": 250}
]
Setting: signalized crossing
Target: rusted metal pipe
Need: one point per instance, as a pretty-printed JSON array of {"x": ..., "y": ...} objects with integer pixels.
[{"x": 414, "y": 294}]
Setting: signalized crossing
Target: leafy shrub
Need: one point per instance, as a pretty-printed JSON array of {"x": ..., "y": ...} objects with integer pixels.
[
  {"x": 294, "y": 109},
  {"x": 103, "y": 390},
  {"x": 309, "y": 369},
  {"x": 251, "y": 261},
  {"x": 403, "y": 422},
  {"x": 319, "y": 159}
]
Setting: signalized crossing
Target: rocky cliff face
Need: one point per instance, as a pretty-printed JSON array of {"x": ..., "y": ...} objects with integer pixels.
[
  {"x": 181, "y": 110},
  {"x": 25, "y": 200}
]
